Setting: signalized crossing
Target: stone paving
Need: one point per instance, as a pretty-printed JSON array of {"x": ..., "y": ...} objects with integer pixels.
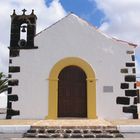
[
  {"x": 73, "y": 122},
  {"x": 65, "y": 122}
]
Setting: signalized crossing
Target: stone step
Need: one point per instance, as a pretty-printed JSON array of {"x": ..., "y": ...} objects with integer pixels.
[
  {"x": 59, "y": 135},
  {"x": 73, "y": 132}
]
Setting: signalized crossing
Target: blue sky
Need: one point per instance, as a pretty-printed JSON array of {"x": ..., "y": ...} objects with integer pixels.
[{"x": 83, "y": 8}]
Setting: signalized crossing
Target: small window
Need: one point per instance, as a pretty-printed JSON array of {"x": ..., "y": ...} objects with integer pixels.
[{"x": 108, "y": 89}]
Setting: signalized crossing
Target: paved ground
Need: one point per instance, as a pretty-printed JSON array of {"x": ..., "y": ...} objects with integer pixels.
[
  {"x": 81, "y": 139},
  {"x": 9, "y": 136},
  {"x": 131, "y": 135},
  {"x": 18, "y": 122},
  {"x": 125, "y": 122}
]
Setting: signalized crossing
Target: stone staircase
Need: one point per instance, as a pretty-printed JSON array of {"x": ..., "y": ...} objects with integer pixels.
[{"x": 73, "y": 132}]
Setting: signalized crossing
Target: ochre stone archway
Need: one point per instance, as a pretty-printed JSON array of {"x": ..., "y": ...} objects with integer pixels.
[{"x": 53, "y": 86}]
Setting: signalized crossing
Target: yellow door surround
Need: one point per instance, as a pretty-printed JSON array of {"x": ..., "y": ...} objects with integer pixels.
[{"x": 53, "y": 86}]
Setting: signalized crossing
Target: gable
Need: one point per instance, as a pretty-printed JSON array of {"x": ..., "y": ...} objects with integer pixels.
[{"x": 72, "y": 28}]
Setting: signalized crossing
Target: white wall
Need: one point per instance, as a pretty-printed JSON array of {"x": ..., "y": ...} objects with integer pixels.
[{"x": 71, "y": 37}]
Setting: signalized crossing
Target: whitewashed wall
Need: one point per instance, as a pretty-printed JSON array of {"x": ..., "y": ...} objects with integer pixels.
[{"x": 70, "y": 37}]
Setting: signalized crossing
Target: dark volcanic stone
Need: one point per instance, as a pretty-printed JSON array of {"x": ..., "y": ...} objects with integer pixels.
[
  {"x": 76, "y": 136},
  {"x": 66, "y": 135},
  {"x": 96, "y": 131},
  {"x": 43, "y": 136},
  {"x": 123, "y": 100},
  {"x": 51, "y": 130},
  {"x": 85, "y": 131},
  {"x": 88, "y": 136},
  {"x": 56, "y": 135},
  {"x": 60, "y": 131},
  {"x": 104, "y": 136},
  {"x": 31, "y": 131},
  {"x": 119, "y": 136},
  {"x": 13, "y": 82},
  {"x": 131, "y": 93},
  {"x": 41, "y": 131},
  {"x": 30, "y": 135},
  {"x": 77, "y": 131},
  {"x": 68, "y": 131},
  {"x": 112, "y": 131},
  {"x": 130, "y": 109},
  {"x": 130, "y": 78},
  {"x": 129, "y": 64}
]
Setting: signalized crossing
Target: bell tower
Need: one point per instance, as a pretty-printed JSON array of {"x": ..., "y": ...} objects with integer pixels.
[{"x": 23, "y": 30}]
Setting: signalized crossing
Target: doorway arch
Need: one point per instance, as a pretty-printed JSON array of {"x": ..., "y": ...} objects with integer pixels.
[{"x": 53, "y": 86}]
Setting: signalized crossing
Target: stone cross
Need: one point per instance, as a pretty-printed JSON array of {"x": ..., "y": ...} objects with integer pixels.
[{"x": 24, "y": 10}]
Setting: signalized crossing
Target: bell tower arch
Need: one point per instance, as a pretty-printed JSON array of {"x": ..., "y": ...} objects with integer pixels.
[{"x": 23, "y": 24}]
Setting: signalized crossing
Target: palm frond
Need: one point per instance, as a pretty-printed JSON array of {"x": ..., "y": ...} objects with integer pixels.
[{"x": 3, "y": 82}]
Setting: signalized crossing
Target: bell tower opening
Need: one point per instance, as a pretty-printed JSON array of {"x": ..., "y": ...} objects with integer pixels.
[
  {"x": 23, "y": 30},
  {"x": 23, "y": 35}
]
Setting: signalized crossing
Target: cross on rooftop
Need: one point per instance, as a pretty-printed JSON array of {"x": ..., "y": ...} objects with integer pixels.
[{"x": 24, "y": 10}]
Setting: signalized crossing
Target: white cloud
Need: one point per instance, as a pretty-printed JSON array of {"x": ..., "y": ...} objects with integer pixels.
[
  {"x": 46, "y": 16},
  {"x": 122, "y": 20}
]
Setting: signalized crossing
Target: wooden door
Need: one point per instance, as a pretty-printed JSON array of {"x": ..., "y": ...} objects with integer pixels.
[{"x": 72, "y": 92}]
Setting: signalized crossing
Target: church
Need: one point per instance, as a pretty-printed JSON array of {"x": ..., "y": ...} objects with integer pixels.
[{"x": 69, "y": 70}]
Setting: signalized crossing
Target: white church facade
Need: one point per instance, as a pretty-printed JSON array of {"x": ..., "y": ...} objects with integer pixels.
[{"x": 70, "y": 69}]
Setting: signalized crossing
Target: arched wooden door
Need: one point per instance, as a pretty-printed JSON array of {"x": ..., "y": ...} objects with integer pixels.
[{"x": 72, "y": 92}]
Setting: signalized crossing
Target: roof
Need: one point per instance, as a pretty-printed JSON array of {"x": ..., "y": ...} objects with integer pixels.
[
  {"x": 72, "y": 14},
  {"x": 129, "y": 43}
]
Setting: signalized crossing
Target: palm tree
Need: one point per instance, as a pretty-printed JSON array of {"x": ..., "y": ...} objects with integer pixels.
[{"x": 3, "y": 82}]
